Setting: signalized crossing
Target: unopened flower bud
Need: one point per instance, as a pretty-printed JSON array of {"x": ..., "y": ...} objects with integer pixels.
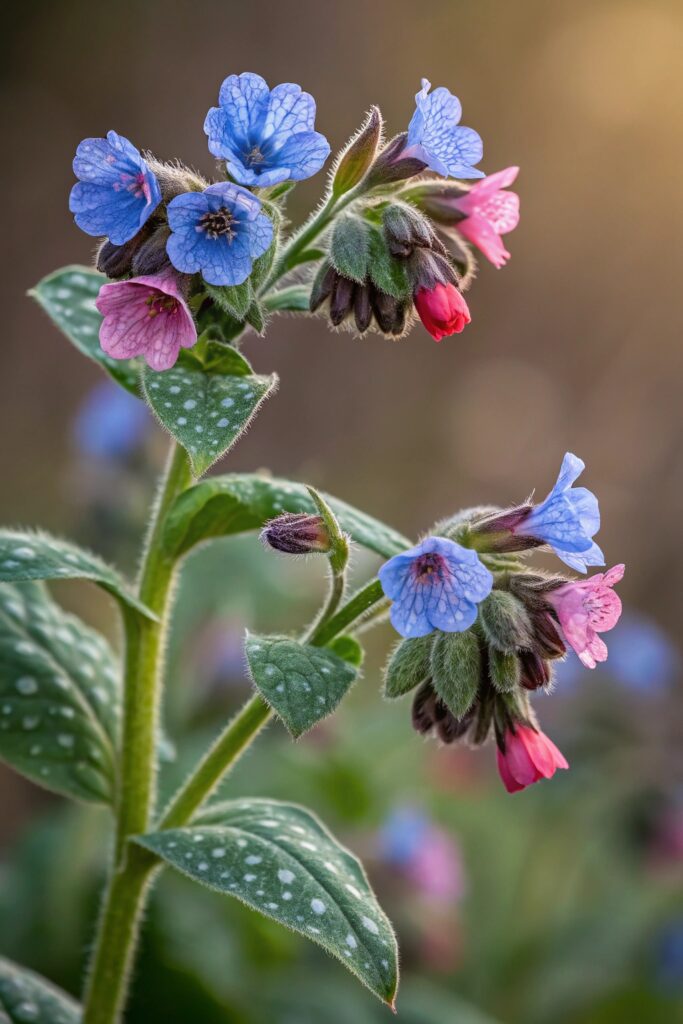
[
  {"x": 548, "y": 641},
  {"x": 359, "y": 154},
  {"x": 151, "y": 256},
  {"x": 429, "y": 714},
  {"x": 116, "y": 261},
  {"x": 297, "y": 533},
  {"x": 391, "y": 165},
  {"x": 405, "y": 229},
  {"x": 535, "y": 671},
  {"x": 442, "y": 310}
]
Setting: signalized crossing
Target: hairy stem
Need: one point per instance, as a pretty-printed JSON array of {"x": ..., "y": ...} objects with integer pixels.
[{"x": 131, "y": 869}]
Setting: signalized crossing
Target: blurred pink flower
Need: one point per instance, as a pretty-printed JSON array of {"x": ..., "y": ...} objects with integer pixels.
[
  {"x": 529, "y": 756},
  {"x": 489, "y": 213},
  {"x": 436, "y": 867},
  {"x": 586, "y": 608},
  {"x": 146, "y": 316}
]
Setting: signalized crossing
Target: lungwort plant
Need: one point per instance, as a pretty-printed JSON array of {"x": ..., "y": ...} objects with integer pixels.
[{"x": 185, "y": 269}]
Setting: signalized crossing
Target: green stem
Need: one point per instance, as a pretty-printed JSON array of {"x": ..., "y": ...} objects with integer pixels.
[
  {"x": 124, "y": 898},
  {"x": 359, "y": 604},
  {"x": 235, "y": 738}
]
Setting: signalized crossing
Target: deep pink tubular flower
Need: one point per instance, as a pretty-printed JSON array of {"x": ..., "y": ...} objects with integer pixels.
[
  {"x": 529, "y": 756},
  {"x": 586, "y": 608},
  {"x": 146, "y": 316},
  {"x": 442, "y": 310},
  {"x": 489, "y": 213}
]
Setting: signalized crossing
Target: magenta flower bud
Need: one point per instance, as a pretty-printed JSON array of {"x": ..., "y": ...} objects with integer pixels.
[
  {"x": 297, "y": 533},
  {"x": 527, "y": 755}
]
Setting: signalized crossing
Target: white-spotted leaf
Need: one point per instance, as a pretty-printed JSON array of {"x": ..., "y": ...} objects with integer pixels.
[
  {"x": 59, "y": 696},
  {"x": 26, "y": 998},
  {"x": 281, "y": 861},
  {"x": 301, "y": 683},
  {"x": 237, "y": 503},
  {"x": 39, "y": 556},
  {"x": 68, "y": 297},
  {"x": 207, "y": 408}
]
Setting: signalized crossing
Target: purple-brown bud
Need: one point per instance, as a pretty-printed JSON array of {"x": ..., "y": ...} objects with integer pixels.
[
  {"x": 297, "y": 533},
  {"x": 535, "y": 670}
]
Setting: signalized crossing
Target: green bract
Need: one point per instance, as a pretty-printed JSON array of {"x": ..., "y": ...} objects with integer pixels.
[{"x": 302, "y": 683}]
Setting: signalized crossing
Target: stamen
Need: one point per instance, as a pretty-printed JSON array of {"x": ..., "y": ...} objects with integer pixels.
[{"x": 218, "y": 223}]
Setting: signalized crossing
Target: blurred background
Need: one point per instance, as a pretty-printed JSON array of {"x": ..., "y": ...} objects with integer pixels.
[{"x": 564, "y": 903}]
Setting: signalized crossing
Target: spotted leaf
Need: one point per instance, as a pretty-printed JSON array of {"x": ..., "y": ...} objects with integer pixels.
[
  {"x": 38, "y": 556},
  {"x": 26, "y": 998},
  {"x": 68, "y": 297},
  {"x": 301, "y": 683},
  {"x": 236, "y": 503},
  {"x": 59, "y": 696},
  {"x": 281, "y": 861},
  {"x": 206, "y": 408}
]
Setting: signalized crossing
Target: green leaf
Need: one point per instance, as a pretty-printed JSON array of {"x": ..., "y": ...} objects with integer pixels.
[
  {"x": 408, "y": 666},
  {"x": 207, "y": 408},
  {"x": 256, "y": 318},
  {"x": 348, "y": 648},
  {"x": 302, "y": 683},
  {"x": 456, "y": 670},
  {"x": 26, "y": 998},
  {"x": 288, "y": 300},
  {"x": 358, "y": 153},
  {"x": 349, "y": 247},
  {"x": 237, "y": 503},
  {"x": 281, "y": 861},
  {"x": 39, "y": 556},
  {"x": 388, "y": 274},
  {"x": 235, "y": 301},
  {"x": 59, "y": 696},
  {"x": 68, "y": 297},
  {"x": 505, "y": 621}
]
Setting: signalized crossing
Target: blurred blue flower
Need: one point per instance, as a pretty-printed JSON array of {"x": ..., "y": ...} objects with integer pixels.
[
  {"x": 641, "y": 656},
  {"x": 265, "y": 136},
  {"x": 436, "y": 137},
  {"x": 402, "y": 834},
  {"x": 117, "y": 191},
  {"x": 219, "y": 232},
  {"x": 436, "y": 585},
  {"x": 111, "y": 423},
  {"x": 669, "y": 952},
  {"x": 567, "y": 519}
]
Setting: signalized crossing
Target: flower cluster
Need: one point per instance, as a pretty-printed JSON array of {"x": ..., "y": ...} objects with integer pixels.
[
  {"x": 482, "y": 630},
  {"x": 177, "y": 246}
]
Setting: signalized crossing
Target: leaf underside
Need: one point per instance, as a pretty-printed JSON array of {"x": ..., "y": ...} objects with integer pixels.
[{"x": 281, "y": 861}]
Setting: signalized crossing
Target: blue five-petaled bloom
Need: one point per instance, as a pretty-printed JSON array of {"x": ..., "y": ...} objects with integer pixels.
[
  {"x": 265, "y": 135},
  {"x": 218, "y": 232},
  {"x": 436, "y": 137},
  {"x": 116, "y": 192},
  {"x": 436, "y": 585},
  {"x": 567, "y": 519}
]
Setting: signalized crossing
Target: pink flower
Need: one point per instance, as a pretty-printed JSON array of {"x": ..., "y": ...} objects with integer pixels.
[
  {"x": 489, "y": 213},
  {"x": 442, "y": 310},
  {"x": 586, "y": 608},
  {"x": 529, "y": 756},
  {"x": 146, "y": 316}
]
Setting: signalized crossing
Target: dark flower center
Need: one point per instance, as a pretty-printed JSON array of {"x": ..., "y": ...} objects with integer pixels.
[
  {"x": 429, "y": 568},
  {"x": 160, "y": 303},
  {"x": 218, "y": 224},
  {"x": 255, "y": 156}
]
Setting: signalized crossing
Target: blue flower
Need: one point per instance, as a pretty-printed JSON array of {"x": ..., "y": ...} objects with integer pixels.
[
  {"x": 436, "y": 137},
  {"x": 567, "y": 519},
  {"x": 265, "y": 136},
  {"x": 436, "y": 585},
  {"x": 219, "y": 231},
  {"x": 111, "y": 423},
  {"x": 117, "y": 191}
]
